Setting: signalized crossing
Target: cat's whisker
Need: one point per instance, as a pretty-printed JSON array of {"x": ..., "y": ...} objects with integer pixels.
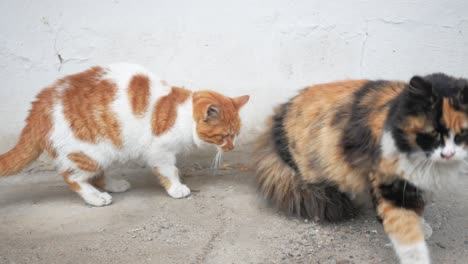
[
  {"x": 415, "y": 168},
  {"x": 217, "y": 161},
  {"x": 427, "y": 168}
]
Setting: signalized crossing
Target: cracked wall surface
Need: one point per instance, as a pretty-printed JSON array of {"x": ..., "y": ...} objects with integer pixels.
[{"x": 268, "y": 49}]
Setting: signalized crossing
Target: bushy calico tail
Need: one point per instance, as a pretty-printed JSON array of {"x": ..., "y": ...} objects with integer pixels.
[
  {"x": 280, "y": 182},
  {"x": 33, "y": 136}
]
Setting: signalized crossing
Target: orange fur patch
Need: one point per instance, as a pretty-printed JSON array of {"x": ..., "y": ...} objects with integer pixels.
[
  {"x": 73, "y": 185},
  {"x": 139, "y": 94},
  {"x": 87, "y": 106},
  {"x": 83, "y": 161},
  {"x": 453, "y": 119},
  {"x": 377, "y": 122},
  {"x": 165, "y": 182},
  {"x": 404, "y": 225},
  {"x": 416, "y": 124},
  {"x": 388, "y": 167},
  {"x": 165, "y": 110},
  {"x": 376, "y": 100},
  {"x": 41, "y": 117}
]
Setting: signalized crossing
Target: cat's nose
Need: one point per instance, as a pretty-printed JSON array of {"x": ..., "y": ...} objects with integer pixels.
[
  {"x": 228, "y": 147},
  {"x": 447, "y": 155}
]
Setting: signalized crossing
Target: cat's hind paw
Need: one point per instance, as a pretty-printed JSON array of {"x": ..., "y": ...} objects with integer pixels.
[
  {"x": 178, "y": 191},
  {"x": 113, "y": 185}
]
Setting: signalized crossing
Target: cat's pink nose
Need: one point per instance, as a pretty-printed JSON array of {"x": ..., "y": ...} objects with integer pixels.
[{"x": 447, "y": 155}]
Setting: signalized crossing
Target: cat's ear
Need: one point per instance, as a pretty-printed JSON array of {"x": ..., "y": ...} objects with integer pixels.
[
  {"x": 241, "y": 101},
  {"x": 420, "y": 87},
  {"x": 212, "y": 112}
]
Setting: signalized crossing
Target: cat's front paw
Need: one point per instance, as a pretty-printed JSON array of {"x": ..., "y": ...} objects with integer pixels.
[
  {"x": 178, "y": 191},
  {"x": 97, "y": 198},
  {"x": 416, "y": 253},
  {"x": 113, "y": 185}
]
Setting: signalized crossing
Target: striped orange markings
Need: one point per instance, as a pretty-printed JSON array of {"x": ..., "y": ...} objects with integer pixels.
[
  {"x": 83, "y": 162},
  {"x": 165, "y": 110},
  {"x": 91, "y": 117},
  {"x": 139, "y": 94}
]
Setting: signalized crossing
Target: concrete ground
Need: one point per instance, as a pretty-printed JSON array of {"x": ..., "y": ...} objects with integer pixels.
[{"x": 223, "y": 221}]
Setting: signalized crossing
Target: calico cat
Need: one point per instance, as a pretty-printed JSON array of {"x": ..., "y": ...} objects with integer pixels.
[
  {"x": 394, "y": 139},
  {"x": 103, "y": 115}
]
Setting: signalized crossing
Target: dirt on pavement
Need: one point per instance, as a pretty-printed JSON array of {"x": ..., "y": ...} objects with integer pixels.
[{"x": 223, "y": 221}]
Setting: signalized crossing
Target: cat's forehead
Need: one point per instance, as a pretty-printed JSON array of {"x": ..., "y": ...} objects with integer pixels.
[{"x": 445, "y": 115}]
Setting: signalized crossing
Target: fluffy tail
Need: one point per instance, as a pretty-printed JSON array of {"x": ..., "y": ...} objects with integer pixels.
[
  {"x": 280, "y": 182},
  {"x": 32, "y": 138}
]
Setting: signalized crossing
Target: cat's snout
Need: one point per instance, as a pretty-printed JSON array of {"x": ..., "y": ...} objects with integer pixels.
[
  {"x": 227, "y": 147},
  {"x": 447, "y": 155}
]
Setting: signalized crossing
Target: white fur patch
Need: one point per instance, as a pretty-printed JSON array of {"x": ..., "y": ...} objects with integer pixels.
[
  {"x": 178, "y": 191},
  {"x": 412, "y": 254}
]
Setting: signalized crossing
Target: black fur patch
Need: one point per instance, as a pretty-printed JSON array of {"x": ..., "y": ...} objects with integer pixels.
[
  {"x": 403, "y": 194},
  {"x": 374, "y": 202},
  {"x": 360, "y": 148},
  {"x": 323, "y": 201},
  {"x": 341, "y": 115},
  {"x": 280, "y": 137}
]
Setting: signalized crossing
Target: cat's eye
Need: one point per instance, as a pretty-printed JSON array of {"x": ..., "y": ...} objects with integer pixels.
[{"x": 222, "y": 137}]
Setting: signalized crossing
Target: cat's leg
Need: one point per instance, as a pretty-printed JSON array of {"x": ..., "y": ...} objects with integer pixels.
[
  {"x": 404, "y": 227},
  {"x": 403, "y": 224},
  {"x": 109, "y": 184},
  {"x": 78, "y": 181},
  {"x": 168, "y": 174}
]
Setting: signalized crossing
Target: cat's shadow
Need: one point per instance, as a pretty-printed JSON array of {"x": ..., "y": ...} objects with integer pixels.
[{"x": 143, "y": 183}]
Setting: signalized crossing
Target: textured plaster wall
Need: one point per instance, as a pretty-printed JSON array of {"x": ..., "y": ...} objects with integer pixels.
[{"x": 268, "y": 49}]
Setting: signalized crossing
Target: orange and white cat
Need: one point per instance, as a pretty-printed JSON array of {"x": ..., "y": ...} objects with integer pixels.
[{"x": 89, "y": 120}]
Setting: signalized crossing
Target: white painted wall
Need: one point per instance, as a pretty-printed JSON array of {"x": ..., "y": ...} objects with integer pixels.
[{"x": 268, "y": 49}]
